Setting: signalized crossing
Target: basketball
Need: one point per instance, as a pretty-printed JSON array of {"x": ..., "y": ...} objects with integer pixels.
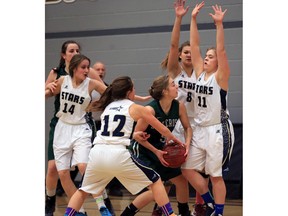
[{"x": 175, "y": 154}]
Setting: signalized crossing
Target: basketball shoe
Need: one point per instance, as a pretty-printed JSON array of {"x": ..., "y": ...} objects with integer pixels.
[
  {"x": 210, "y": 210},
  {"x": 199, "y": 210},
  {"x": 157, "y": 212},
  {"x": 104, "y": 211},
  {"x": 50, "y": 205}
]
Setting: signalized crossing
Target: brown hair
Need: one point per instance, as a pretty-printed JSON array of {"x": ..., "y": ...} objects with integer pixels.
[
  {"x": 117, "y": 90},
  {"x": 164, "y": 62},
  {"x": 212, "y": 48},
  {"x": 75, "y": 62},
  {"x": 160, "y": 83},
  {"x": 186, "y": 43},
  {"x": 64, "y": 49}
]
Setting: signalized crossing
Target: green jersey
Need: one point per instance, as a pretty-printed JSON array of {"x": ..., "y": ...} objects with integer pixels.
[{"x": 156, "y": 139}]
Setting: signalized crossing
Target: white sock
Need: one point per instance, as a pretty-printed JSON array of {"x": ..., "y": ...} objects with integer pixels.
[
  {"x": 51, "y": 193},
  {"x": 99, "y": 201}
]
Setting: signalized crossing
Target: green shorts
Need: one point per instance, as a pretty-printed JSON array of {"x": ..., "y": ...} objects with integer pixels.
[
  {"x": 53, "y": 123},
  {"x": 165, "y": 173}
]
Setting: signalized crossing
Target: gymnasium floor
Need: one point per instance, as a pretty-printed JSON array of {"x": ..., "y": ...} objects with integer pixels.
[{"x": 232, "y": 207}]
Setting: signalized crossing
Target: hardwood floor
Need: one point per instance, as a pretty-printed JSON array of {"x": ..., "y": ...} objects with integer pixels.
[{"x": 232, "y": 207}]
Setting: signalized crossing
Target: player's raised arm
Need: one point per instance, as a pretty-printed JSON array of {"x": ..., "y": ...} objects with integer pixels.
[
  {"x": 223, "y": 71},
  {"x": 173, "y": 67},
  {"x": 196, "y": 58}
]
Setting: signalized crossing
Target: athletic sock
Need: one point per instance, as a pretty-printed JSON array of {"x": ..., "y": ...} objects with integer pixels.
[
  {"x": 130, "y": 210},
  {"x": 208, "y": 198},
  {"x": 167, "y": 209},
  {"x": 100, "y": 201},
  {"x": 219, "y": 208},
  {"x": 183, "y": 208},
  {"x": 51, "y": 193},
  {"x": 70, "y": 212}
]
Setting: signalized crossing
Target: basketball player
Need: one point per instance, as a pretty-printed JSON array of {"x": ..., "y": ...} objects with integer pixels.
[
  {"x": 68, "y": 49},
  {"x": 110, "y": 157},
  {"x": 114, "y": 186},
  {"x": 167, "y": 110},
  {"x": 180, "y": 68},
  {"x": 213, "y": 135},
  {"x": 72, "y": 137}
]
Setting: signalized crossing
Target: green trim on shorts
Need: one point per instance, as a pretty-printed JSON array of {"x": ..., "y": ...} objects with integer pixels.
[{"x": 166, "y": 173}]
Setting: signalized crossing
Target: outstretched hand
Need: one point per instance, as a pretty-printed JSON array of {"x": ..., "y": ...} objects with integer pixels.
[
  {"x": 52, "y": 86},
  {"x": 179, "y": 6},
  {"x": 197, "y": 8},
  {"x": 218, "y": 15}
]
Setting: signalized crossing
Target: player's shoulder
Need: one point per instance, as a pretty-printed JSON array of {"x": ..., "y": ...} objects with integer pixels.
[
  {"x": 175, "y": 101},
  {"x": 152, "y": 103}
]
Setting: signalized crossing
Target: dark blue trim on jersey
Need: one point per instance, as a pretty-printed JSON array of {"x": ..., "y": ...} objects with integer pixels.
[
  {"x": 151, "y": 174},
  {"x": 227, "y": 141},
  {"x": 137, "y": 30},
  {"x": 223, "y": 95}
]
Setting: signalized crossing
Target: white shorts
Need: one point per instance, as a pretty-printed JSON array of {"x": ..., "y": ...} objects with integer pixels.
[
  {"x": 71, "y": 145},
  {"x": 178, "y": 130},
  {"x": 109, "y": 161},
  {"x": 210, "y": 151}
]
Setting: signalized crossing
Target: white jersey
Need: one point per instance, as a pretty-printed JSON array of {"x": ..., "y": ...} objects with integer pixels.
[
  {"x": 95, "y": 97},
  {"x": 73, "y": 101},
  {"x": 116, "y": 124},
  {"x": 186, "y": 90},
  {"x": 210, "y": 101}
]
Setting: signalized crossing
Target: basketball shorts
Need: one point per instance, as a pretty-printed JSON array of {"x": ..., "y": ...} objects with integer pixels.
[
  {"x": 166, "y": 173},
  {"x": 109, "y": 161},
  {"x": 72, "y": 144},
  {"x": 178, "y": 130},
  {"x": 53, "y": 123},
  {"x": 211, "y": 149}
]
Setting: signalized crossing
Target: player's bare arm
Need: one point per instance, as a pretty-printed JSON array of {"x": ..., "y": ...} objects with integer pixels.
[
  {"x": 186, "y": 125},
  {"x": 223, "y": 71}
]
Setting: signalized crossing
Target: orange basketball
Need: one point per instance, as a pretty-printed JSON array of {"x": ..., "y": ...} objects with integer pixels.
[{"x": 175, "y": 154}]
